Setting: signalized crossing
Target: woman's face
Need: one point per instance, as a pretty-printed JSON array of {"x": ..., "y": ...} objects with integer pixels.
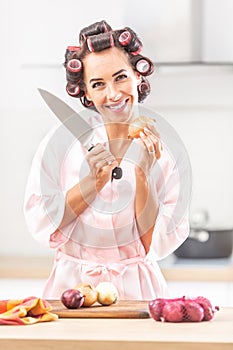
[{"x": 111, "y": 84}]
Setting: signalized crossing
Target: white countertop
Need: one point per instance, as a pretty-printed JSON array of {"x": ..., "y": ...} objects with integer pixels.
[{"x": 128, "y": 334}]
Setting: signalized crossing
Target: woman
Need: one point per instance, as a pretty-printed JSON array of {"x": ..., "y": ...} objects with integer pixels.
[{"x": 106, "y": 229}]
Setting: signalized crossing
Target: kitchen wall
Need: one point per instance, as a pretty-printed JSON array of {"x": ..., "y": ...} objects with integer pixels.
[{"x": 196, "y": 100}]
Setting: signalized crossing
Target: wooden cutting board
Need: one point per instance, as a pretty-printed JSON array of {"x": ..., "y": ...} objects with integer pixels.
[{"x": 122, "y": 309}]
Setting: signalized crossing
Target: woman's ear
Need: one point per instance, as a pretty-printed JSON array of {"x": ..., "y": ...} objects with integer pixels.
[{"x": 87, "y": 95}]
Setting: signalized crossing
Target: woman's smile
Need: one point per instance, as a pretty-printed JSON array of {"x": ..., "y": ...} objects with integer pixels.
[{"x": 118, "y": 107}]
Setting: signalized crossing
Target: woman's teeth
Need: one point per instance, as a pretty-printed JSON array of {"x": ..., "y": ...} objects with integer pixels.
[{"x": 116, "y": 107}]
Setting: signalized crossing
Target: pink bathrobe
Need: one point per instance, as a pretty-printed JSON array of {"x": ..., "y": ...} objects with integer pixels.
[{"x": 103, "y": 243}]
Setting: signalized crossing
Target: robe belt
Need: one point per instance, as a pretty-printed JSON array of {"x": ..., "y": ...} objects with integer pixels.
[{"x": 95, "y": 269}]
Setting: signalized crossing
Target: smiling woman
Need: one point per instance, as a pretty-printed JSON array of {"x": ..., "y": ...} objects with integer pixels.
[{"x": 105, "y": 229}]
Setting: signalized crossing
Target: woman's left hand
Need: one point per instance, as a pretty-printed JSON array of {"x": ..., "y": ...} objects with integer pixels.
[{"x": 151, "y": 148}]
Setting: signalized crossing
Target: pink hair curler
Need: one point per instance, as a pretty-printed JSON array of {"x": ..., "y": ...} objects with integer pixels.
[
  {"x": 143, "y": 66},
  {"x": 89, "y": 45},
  {"x": 74, "y": 65},
  {"x": 143, "y": 87},
  {"x": 88, "y": 103},
  {"x": 125, "y": 38},
  {"x": 134, "y": 53},
  {"x": 111, "y": 40},
  {"x": 105, "y": 27},
  {"x": 73, "y": 90},
  {"x": 73, "y": 48}
]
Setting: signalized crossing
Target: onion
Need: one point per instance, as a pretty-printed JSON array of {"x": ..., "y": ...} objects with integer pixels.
[
  {"x": 193, "y": 311},
  {"x": 156, "y": 308},
  {"x": 173, "y": 311},
  {"x": 72, "y": 298},
  {"x": 138, "y": 125},
  {"x": 209, "y": 310},
  {"x": 107, "y": 293},
  {"x": 89, "y": 292}
]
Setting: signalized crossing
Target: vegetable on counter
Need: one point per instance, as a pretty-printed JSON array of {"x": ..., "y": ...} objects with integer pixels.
[
  {"x": 182, "y": 309},
  {"x": 89, "y": 292},
  {"x": 85, "y": 294},
  {"x": 107, "y": 293},
  {"x": 72, "y": 298}
]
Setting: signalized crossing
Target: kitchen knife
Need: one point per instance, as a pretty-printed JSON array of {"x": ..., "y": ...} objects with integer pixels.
[{"x": 73, "y": 122}]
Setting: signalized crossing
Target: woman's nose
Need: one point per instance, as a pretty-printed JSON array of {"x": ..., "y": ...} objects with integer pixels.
[{"x": 113, "y": 93}]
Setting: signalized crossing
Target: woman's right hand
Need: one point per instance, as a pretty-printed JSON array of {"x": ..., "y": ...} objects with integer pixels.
[{"x": 101, "y": 163}]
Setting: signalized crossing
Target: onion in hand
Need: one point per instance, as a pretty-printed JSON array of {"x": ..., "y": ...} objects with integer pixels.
[{"x": 138, "y": 125}]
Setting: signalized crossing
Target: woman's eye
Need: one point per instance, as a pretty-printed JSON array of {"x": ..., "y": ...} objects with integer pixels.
[
  {"x": 121, "y": 77},
  {"x": 97, "y": 84}
]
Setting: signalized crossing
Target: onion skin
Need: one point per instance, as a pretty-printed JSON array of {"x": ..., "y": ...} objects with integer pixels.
[
  {"x": 193, "y": 312},
  {"x": 209, "y": 310},
  {"x": 173, "y": 311},
  {"x": 137, "y": 126},
  {"x": 72, "y": 299},
  {"x": 156, "y": 308},
  {"x": 89, "y": 292},
  {"x": 107, "y": 293}
]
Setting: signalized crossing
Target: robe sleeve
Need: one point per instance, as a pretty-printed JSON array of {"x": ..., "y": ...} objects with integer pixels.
[
  {"x": 44, "y": 201},
  {"x": 172, "y": 224}
]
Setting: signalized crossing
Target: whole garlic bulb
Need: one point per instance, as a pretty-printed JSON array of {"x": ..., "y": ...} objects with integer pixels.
[{"x": 107, "y": 293}]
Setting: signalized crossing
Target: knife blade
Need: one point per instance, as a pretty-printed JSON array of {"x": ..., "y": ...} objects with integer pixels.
[
  {"x": 74, "y": 122},
  {"x": 69, "y": 117}
]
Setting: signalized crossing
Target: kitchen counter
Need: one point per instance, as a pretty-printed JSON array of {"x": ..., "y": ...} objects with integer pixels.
[{"x": 137, "y": 334}]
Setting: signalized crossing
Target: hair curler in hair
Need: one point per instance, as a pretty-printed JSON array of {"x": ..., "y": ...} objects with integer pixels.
[
  {"x": 106, "y": 29},
  {"x": 144, "y": 87},
  {"x": 129, "y": 40},
  {"x": 111, "y": 40},
  {"x": 74, "y": 65},
  {"x": 89, "y": 45},
  {"x": 125, "y": 38},
  {"x": 134, "y": 53},
  {"x": 143, "y": 66},
  {"x": 73, "y": 48},
  {"x": 73, "y": 90},
  {"x": 87, "y": 103}
]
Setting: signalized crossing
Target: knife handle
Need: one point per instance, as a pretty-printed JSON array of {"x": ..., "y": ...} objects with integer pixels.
[{"x": 117, "y": 171}]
